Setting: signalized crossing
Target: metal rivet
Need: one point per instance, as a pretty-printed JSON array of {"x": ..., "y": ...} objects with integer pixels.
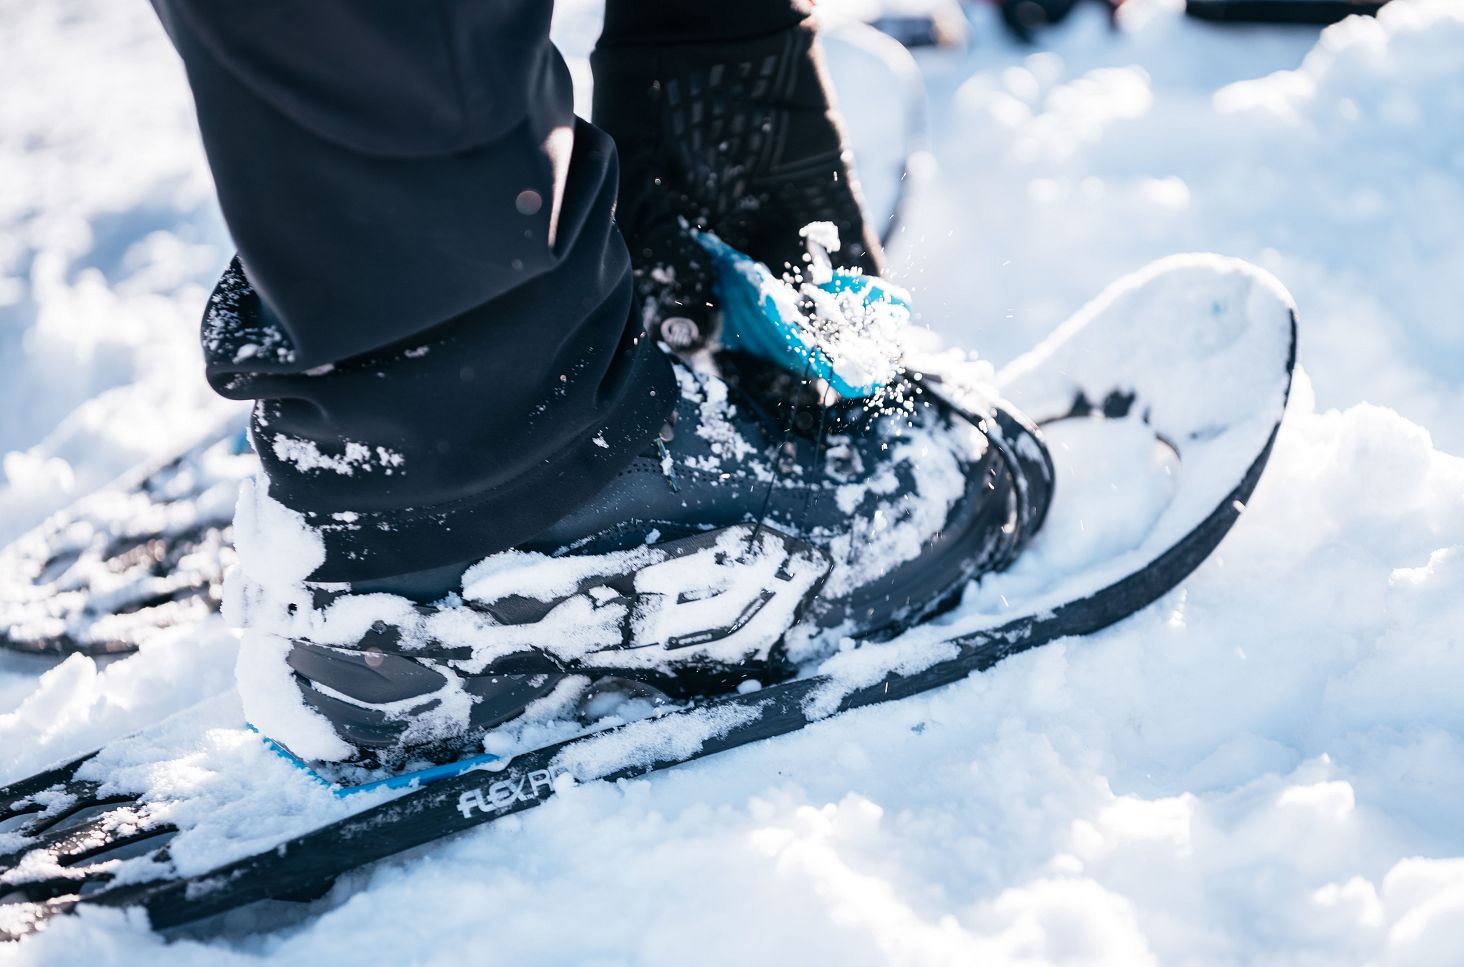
[{"x": 679, "y": 332}]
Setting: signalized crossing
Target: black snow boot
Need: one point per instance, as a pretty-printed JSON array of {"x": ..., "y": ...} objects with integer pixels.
[{"x": 749, "y": 537}]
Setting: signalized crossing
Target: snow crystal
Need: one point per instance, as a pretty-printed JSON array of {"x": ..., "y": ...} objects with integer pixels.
[{"x": 305, "y": 456}]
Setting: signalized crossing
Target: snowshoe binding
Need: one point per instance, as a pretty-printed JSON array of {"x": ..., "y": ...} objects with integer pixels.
[{"x": 762, "y": 525}]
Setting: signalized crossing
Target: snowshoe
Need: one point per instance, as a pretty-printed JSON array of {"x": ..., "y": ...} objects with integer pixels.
[
  {"x": 1177, "y": 376},
  {"x": 146, "y": 552}
]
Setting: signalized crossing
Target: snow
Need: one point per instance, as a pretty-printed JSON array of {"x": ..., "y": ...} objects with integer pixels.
[
  {"x": 270, "y": 701},
  {"x": 305, "y": 456},
  {"x": 1333, "y": 162},
  {"x": 836, "y": 324},
  {"x": 111, "y": 242},
  {"x": 273, "y": 542},
  {"x": 1265, "y": 767},
  {"x": 746, "y": 582}
]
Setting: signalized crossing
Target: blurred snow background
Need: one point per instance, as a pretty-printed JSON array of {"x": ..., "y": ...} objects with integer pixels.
[{"x": 1264, "y": 768}]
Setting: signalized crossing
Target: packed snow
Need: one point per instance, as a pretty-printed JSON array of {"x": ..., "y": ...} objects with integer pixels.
[{"x": 1264, "y": 767}]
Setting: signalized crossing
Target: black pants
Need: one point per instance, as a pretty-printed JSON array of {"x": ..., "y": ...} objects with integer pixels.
[{"x": 431, "y": 303}]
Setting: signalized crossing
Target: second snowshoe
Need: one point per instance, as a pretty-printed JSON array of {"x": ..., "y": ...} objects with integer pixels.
[{"x": 146, "y": 552}]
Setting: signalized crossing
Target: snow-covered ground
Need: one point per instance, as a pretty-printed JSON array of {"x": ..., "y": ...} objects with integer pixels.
[{"x": 1264, "y": 768}]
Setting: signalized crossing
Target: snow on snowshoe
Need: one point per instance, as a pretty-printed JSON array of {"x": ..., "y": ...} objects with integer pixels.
[
  {"x": 1151, "y": 399},
  {"x": 1179, "y": 373},
  {"x": 144, "y": 553}
]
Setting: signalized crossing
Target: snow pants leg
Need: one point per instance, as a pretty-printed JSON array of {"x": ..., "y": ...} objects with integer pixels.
[{"x": 431, "y": 303}]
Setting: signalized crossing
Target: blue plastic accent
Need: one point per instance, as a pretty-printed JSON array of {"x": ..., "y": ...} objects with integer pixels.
[
  {"x": 405, "y": 780},
  {"x": 753, "y": 323}
]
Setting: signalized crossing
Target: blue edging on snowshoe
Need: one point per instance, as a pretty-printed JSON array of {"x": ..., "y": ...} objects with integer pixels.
[{"x": 403, "y": 780}]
